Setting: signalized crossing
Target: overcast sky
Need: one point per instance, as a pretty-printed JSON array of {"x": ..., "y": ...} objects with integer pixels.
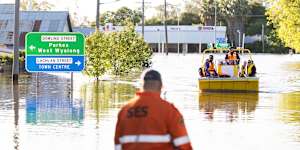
[{"x": 88, "y": 7}]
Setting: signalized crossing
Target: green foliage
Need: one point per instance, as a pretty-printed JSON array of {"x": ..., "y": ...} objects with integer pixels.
[
  {"x": 120, "y": 16},
  {"x": 154, "y": 21},
  {"x": 204, "y": 8},
  {"x": 188, "y": 18},
  {"x": 256, "y": 19},
  {"x": 97, "y": 53},
  {"x": 117, "y": 53},
  {"x": 256, "y": 47},
  {"x": 285, "y": 16},
  {"x": 36, "y": 5},
  {"x": 8, "y": 58}
]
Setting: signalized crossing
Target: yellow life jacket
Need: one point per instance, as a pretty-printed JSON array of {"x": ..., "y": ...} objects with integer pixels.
[
  {"x": 249, "y": 68},
  {"x": 243, "y": 71}
]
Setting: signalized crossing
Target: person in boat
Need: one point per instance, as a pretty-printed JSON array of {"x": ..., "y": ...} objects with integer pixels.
[
  {"x": 210, "y": 67},
  {"x": 201, "y": 72},
  {"x": 243, "y": 72},
  {"x": 232, "y": 57},
  {"x": 251, "y": 69}
]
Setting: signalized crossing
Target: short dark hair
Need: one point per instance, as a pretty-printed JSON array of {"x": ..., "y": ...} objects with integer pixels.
[{"x": 151, "y": 75}]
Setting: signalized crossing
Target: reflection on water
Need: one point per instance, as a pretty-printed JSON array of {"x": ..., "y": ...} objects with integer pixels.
[
  {"x": 101, "y": 96},
  {"x": 15, "y": 95},
  {"x": 47, "y": 115},
  {"x": 228, "y": 106},
  {"x": 49, "y": 109},
  {"x": 289, "y": 107}
]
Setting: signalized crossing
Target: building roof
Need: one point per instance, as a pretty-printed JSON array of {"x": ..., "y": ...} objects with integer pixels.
[{"x": 38, "y": 21}]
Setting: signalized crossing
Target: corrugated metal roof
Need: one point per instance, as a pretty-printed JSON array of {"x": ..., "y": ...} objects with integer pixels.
[
  {"x": 7, "y": 8},
  {"x": 50, "y": 21}
]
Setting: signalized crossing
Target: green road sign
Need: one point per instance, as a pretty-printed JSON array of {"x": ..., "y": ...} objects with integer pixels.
[
  {"x": 222, "y": 45},
  {"x": 38, "y": 43},
  {"x": 54, "y": 52}
]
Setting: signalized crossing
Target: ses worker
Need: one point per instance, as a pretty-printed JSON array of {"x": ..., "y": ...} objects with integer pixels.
[{"x": 148, "y": 122}]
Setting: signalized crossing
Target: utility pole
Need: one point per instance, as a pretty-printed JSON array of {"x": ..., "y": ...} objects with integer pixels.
[
  {"x": 98, "y": 15},
  {"x": 143, "y": 18},
  {"x": 215, "y": 1},
  {"x": 166, "y": 29},
  {"x": 15, "y": 70},
  {"x": 263, "y": 37},
  {"x": 178, "y": 29}
]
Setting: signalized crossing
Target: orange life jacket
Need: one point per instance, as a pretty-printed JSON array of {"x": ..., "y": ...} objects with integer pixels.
[
  {"x": 211, "y": 66},
  {"x": 149, "y": 122},
  {"x": 232, "y": 57}
]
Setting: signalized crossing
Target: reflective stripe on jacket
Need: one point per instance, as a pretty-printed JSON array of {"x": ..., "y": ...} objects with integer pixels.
[{"x": 149, "y": 122}]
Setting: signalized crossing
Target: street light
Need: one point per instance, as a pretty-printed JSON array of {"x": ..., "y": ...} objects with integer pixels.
[
  {"x": 98, "y": 12},
  {"x": 215, "y": 2},
  {"x": 238, "y": 31}
]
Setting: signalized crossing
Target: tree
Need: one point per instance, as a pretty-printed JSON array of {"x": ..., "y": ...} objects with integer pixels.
[
  {"x": 188, "y": 18},
  {"x": 120, "y": 16},
  {"x": 205, "y": 9},
  {"x": 35, "y": 5},
  {"x": 285, "y": 16},
  {"x": 256, "y": 19},
  {"x": 97, "y": 53},
  {"x": 235, "y": 13},
  {"x": 116, "y": 53},
  {"x": 129, "y": 51}
]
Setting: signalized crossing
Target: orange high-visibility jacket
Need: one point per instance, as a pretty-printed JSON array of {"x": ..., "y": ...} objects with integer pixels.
[
  {"x": 211, "y": 67},
  {"x": 148, "y": 122},
  {"x": 232, "y": 57}
]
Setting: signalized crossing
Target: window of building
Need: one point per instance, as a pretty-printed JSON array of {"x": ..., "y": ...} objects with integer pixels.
[
  {"x": 10, "y": 36},
  {"x": 37, "y": 25},
  {"x": 3, "y": 24}
]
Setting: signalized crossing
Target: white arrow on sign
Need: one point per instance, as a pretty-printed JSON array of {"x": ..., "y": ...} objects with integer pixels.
[
  {"x": 78, "y": 63},
  {"x": 31, "y": 47}
]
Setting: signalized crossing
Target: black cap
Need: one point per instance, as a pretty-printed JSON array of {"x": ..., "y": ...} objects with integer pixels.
[{"x": 151, "y": 74}]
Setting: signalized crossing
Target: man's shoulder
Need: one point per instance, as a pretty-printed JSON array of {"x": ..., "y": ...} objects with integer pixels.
[{"x": 167, "y": 104}]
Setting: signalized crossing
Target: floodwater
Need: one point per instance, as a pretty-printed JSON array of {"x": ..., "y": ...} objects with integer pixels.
[{"x": 42, "y": 113}]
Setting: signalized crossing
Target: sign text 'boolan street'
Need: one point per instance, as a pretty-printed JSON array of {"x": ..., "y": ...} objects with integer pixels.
[{"x": 54, "y": 52}]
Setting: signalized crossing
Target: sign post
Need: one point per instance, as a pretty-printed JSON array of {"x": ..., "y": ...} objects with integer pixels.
[{"x": 55, "y": 52}]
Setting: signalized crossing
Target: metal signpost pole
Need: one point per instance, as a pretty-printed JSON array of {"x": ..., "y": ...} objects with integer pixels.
[
  {"x": 15, "y": 71},
  {"x": 72, "y": 83}
]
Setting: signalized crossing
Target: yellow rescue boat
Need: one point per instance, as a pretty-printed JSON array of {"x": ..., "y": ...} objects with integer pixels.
[{"x": 233, "y": 82}]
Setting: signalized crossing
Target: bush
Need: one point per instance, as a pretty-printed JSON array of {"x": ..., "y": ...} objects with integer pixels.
[
  {"x": 116, "y": 53},
  {"x": 256, "y": 47}
]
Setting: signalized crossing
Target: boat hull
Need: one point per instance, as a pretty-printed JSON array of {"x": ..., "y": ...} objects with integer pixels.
[{"x": 229, "y": 84}]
